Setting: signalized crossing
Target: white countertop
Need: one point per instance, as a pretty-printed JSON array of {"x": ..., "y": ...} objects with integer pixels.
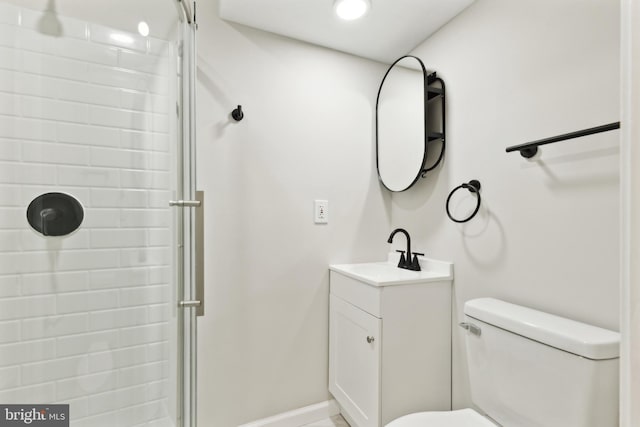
[{"x": 387, "y": 273}]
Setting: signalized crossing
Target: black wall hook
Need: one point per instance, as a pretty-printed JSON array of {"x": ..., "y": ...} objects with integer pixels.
[{"x": 237, "y": 114}]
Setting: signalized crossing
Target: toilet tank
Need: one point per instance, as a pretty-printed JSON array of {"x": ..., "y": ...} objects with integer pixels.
[{"x": 529, "y": 368}]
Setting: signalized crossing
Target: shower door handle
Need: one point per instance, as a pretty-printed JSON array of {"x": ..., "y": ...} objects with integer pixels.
[
  {"x": 198, "y": 256},
  {"x": 186, "y": 203},
  {"x": 189, "y": 304}
]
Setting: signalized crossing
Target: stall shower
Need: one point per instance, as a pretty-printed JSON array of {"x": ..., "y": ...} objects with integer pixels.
[{"x": 95, "y": 105}]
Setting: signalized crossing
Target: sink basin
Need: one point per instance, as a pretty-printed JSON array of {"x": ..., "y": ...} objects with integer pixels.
[{"x": 387, "y": 273}]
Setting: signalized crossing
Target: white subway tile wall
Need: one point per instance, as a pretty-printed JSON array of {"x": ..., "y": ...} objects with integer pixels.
[{"x": 84, "y": 319}]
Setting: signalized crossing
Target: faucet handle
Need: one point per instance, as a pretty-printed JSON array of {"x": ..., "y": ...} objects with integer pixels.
[
  {"x": 415, "y": 264},
  {"x": 402, "y": 263}
]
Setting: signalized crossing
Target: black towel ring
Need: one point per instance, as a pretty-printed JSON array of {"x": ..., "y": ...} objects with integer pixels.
[{"x": 474, "y": 187}]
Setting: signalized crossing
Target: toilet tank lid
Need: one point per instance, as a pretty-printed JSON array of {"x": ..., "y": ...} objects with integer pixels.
[{"x": 574, "y": 337}]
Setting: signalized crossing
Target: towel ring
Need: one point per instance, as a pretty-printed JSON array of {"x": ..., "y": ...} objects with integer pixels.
[{"x": 474, "y": 187}]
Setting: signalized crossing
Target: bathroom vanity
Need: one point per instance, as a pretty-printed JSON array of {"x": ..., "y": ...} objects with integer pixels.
[{"x": 390, "y": 340}]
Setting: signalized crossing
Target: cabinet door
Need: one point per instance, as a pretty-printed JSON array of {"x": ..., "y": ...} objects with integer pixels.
[{"x": 354, "y": 362}]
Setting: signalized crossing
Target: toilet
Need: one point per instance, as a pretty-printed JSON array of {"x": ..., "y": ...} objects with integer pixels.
[{"x": 528, "y": 368}]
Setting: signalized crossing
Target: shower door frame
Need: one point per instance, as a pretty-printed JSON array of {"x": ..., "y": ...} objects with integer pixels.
[{"x": 188, "y": 237}]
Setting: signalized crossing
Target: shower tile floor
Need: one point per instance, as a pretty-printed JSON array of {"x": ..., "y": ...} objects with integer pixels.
[{"x": 335, "y": 421}]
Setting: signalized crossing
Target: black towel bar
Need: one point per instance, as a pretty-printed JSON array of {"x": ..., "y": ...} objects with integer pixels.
[{"x": 530, "y": 149}]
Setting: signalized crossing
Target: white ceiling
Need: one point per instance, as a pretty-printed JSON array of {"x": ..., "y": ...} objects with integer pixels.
[{"x": 392, "y": 28}]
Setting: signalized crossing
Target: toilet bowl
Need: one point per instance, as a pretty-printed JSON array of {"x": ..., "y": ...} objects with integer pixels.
[
  {"x": 459, "y": 418},
  {"x": 528, "y": 368}
]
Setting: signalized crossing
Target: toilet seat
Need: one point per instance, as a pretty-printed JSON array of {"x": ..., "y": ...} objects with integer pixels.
[{"x": 460, "y": 418}]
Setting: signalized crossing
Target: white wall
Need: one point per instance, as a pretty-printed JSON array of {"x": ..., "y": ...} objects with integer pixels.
[
  {"x": 307, "y": 134},
  {"x": 84, "y": 318},
  {"x": 547, "y": 234}
]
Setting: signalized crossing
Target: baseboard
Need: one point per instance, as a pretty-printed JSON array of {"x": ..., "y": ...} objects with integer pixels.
[{"x": 299, "y": 417}]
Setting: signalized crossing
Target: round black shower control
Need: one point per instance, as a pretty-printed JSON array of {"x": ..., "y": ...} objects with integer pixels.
[{"x": 55, "y": 214}]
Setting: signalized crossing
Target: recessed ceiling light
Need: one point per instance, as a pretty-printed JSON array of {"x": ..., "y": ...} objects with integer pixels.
[
  {"x": 351, "y": 9},
  {"x": 143, "y": 29}
]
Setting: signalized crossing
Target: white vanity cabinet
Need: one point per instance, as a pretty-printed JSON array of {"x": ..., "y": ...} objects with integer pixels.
[{"x": 389, "y": 340}]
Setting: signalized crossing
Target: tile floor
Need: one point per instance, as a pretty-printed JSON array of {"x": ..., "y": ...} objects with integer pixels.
[{"x": 336, "y": 421}]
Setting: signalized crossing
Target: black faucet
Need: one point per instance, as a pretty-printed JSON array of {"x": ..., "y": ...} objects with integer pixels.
[{"x": 406, "y": 263}]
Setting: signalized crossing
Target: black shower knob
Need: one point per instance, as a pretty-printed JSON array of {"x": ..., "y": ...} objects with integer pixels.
[{"x": 55, "y": 214}]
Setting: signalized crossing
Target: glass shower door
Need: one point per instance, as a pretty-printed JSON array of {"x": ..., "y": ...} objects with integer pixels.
[{"x": 95, "y": 103}]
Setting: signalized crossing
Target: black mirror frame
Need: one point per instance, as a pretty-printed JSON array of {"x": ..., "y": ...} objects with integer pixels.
[
  {"x": 429, "y": 93},
  {"x": 424, "y": 156}
]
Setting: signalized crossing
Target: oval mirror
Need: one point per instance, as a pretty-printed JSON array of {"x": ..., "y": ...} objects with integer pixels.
[{"x": 401, "y": 117}]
